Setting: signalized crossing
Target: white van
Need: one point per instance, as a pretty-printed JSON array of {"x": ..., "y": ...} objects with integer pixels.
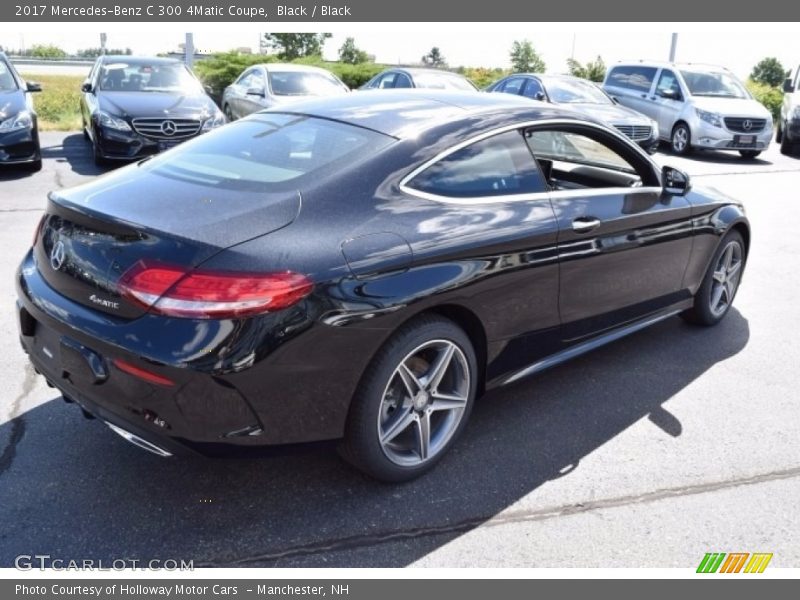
[{"x": 696, "y": 106}]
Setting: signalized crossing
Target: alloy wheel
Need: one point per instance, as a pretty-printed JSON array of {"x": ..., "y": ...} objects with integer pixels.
[
  {"x": 725, "y": 279},
  {"x": 680, "y": 139},
  {"x": 423, "y": 403}
]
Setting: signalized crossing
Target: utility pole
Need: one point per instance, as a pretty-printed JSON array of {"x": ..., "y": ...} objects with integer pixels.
[
  {"x": 103, "y": 39},
  {"x": 188, "y": 50},
  {"x": 673, "y": 47}
]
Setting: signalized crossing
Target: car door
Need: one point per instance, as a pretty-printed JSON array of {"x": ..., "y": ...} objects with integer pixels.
[
  {"x": 632, "y": 86},
  {"x": 623, "y": 244},
  {"x": 669, "y": 99},
  {"x": 236, "y": 92},
  {"x": 486, "y": 218},
  {"x": 254, "y": 93}
]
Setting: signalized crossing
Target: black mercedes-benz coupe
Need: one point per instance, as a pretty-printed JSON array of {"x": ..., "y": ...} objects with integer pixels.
[
  {"x": 362, "y": 268},
  {"x": 19, "y": 129},
  {"x": 133, "y": 107}
]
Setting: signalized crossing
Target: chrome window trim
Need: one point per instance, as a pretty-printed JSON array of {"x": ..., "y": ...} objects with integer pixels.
[{"x": 548, "y": 194}]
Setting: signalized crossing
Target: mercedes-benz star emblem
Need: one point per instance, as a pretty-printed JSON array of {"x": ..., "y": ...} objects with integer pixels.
[
  {"x": 747, "y": 124},
  {"x": 57, "y": 255},
  {"x": 168, "y": 128}
]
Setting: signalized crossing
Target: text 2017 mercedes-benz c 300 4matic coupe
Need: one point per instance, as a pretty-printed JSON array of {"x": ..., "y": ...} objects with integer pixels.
[{"x": 361, "y": 269}]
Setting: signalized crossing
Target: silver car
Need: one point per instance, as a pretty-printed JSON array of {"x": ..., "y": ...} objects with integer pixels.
[
  {"x": 267, "y": 85},
  {"x": 696, "y": 106},
  {"x": 585, "y": 97}
]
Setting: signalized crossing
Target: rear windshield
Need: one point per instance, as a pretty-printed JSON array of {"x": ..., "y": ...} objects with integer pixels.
[
  {"x": 294, "y": 83},
  {"x": 7, "y": 81},
  {"x": 268, "y": 152}
]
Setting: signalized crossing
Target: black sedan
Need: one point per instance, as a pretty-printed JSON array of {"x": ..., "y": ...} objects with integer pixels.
[
  {"x": 582, "y": 96},
  {"x": 19, "y": 130},
  {"x": 362, "y": 268},
  {"x": 134, "y": 107}
]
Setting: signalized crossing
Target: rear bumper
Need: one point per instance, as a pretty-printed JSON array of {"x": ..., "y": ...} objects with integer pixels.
[
  {"x": 277, "y": 380},
  {"x": 20, "y": 146}
]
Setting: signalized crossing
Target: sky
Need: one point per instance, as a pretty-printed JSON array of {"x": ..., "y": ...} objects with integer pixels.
[{"x": 736, "y": 46}]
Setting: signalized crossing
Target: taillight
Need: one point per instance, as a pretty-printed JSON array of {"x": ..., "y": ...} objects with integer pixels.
[
  {"x": 175, "y": 291},
  {"x": 143, "y": 374},
  {"x": 37, "y": 232}
]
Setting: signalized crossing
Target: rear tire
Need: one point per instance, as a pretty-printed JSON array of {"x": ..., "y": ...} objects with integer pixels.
[
  {"x": 407, "y": 413},
  {"x": 720, "y": 284},
  {"x": 681, "y": 139},
  {"x": 786, "y": 145}
]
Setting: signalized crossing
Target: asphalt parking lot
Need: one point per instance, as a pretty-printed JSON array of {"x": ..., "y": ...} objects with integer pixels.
[{"x": 671, "y": 443}]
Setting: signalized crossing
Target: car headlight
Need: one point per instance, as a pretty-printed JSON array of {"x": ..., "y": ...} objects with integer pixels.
[
  {"x": 654, "y": 127},
  {"x": 107, "y": 120},
  {"x": 214, "y": 122},
  {"x": 22, "y": 120},
  {"x": 709, "y": 117}
]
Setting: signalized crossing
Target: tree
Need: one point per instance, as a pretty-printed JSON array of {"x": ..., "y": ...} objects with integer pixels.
[
  {"x": 46, "y": 51},
  {"x": 525, "y": 59},
  {"x": 434, "y": 58},
  {"x": 295, "y": 45},
  {"x": 592, "y": 70},
  {"x": 769, "y": 72},
  {"x": 349, "y": 53}
]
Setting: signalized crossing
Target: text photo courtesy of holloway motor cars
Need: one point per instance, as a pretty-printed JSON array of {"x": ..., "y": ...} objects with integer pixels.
[{"x": 364, "y": 298}]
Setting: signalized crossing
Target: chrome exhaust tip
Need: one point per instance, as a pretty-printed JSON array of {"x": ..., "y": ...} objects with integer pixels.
[{"x": 137, "y": 441}]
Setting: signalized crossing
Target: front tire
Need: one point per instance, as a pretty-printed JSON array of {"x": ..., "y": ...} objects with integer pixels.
[
  {"x": 749, "y": 154},
  {"x": 786, "y": 144},
  {"x": 714, "y": 298},
  {"x": 681, "y": 139},
  {"x": 413, "y": 401}
]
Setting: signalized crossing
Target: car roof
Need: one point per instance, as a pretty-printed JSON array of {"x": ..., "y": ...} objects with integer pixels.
[
  {"x": 151, "y": 60},
  {"x": 282, "y": 67},
  {"x": 667, "y": 64},
  {"x": 404, "y": 113}
]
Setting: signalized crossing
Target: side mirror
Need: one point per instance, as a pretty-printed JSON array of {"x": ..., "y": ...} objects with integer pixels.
[
  {"x": 675, "y": 182},
  {"x": 255, "y": 92},
  {"x": 787, "y": 85},
  {"x": 670, "y": 94},
  {"x": 540, "y": 96},
  {"x": 33, "y": 86},
  {"x": 86, "y": 87}
]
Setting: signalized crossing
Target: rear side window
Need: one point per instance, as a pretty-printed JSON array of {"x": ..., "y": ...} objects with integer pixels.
[
  {"x": 513, "y": 85},
  {"x": 636, "y": 77},
  {"x": 497, "y": 166},
  {"x": 268, "y": 152}
]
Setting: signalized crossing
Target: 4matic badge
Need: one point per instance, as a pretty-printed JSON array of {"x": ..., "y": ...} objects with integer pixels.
[{"x": 104, "y": 303}]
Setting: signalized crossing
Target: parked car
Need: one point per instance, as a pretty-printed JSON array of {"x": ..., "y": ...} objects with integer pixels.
[
  {"x": 277, "y": 84},
  {"x": 788, "y": 130},
  {"x": 696, "y": 106},
  {"x": 249, "y": 288},
  {"x": 138, "y": 106},
  {"x": 407, "y": 77},
  {"x": 585, "y": 97},
  {"x": 19, "y": 128}
]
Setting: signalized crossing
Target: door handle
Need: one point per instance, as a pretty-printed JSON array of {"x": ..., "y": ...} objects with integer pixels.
[{"x": 585, "y": 224}]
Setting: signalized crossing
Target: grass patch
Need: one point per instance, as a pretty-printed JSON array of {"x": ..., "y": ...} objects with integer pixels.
[{"x": 58, "y": 104}]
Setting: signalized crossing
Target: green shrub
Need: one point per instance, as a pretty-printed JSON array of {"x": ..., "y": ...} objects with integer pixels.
[
  {"x": 481, "y": 76},
  {"x": 771, "y": 97},
  {"x": 220, "y": 70},
  {"x": 58, "y": 104}
]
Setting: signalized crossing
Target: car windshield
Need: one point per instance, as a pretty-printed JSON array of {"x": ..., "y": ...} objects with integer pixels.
[
  {"x": 147, "y": 77},
  {"x": 714, "y": 83},
  {"x": 268, "y": 152},
  {"x": 7, "y": 81},
  {"x": 574, "y": 91},
  {"x": 304, "y": 83},
  {"x": 442, "y": 81}
]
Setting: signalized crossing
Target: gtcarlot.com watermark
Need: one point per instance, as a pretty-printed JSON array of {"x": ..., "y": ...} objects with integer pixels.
[{"x": 45, "y": 562}]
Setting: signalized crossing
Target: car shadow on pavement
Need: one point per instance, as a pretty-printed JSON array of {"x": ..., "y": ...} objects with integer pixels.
[
  {"x": 719, "y": 157},
  {"x": 72, "y": 489},
  {"x": 75, "y": 151}
]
